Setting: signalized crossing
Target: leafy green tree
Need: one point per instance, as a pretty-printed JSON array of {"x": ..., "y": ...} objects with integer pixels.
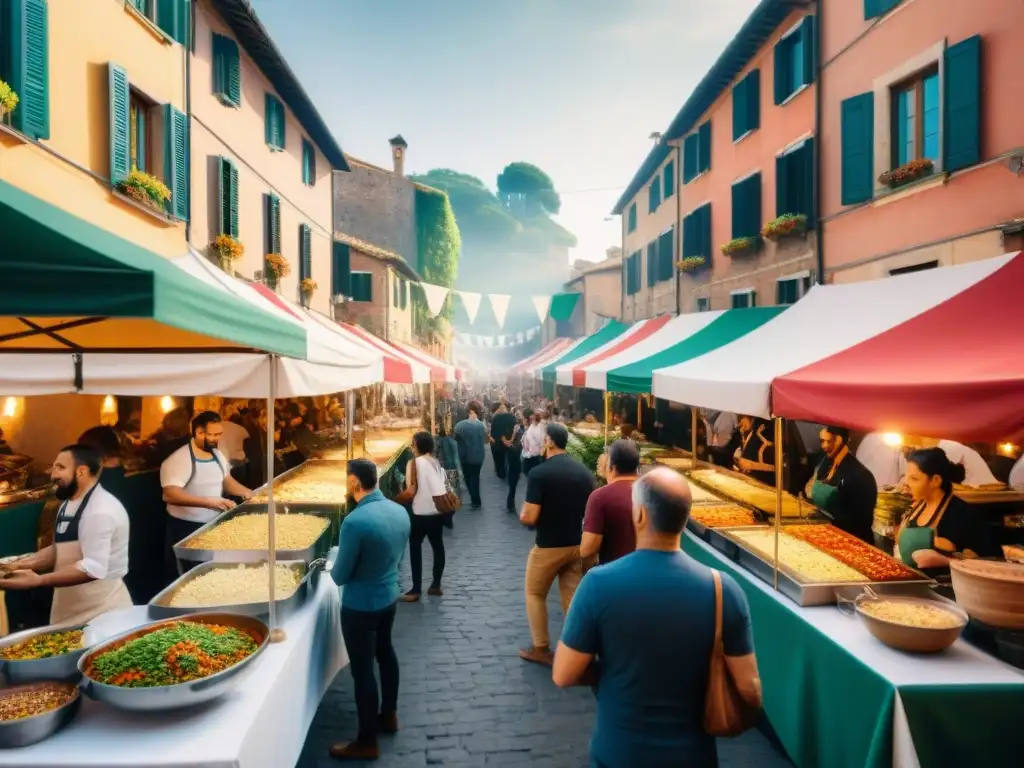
[{"x": 527, "y": 191}]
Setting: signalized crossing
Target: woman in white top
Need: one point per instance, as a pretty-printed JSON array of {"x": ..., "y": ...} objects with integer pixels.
[
  {"x": 533, "y": 441},
  {"x": 424, "y": 479}
]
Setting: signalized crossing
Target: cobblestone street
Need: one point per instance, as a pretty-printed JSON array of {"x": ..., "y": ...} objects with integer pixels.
[{"x": 466, "y": 698}]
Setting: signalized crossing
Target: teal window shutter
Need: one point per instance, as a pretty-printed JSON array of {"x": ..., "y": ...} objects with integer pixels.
[
  {"x": 705, "y": 226},
  {"x": 794, "y": 182},
  {"x": 627, "y": 268},
  {"x": 809, "y": 47},
  {"x": 227, "y": 181},
  {"x": 669, "y": 179},
  {"x": 806, "y": 181},
  {"x": 120, "y": 153},
  {"x": 308, "y": 164},
  {"x": 305, "y": 252},
  {"x": 654, "y": 195},
  {"x": 874, "y": 8},
  {"x": 404, "y": 294},
  {"x": 394, "y": 290},
  {"x": 739, "y": 109},
  {"x": 172, "y": 16},
  {"x": 275, "y": 122},
  {"x": 782, "y": 194},
  {"x": 631, "y": 222},
  {"x": 652, "y": 263},
  {"x": 273, "y": 233},
  {"x": 746, "y": 104},
  {"x": 227, "y": 71},
  {"x": 362, "y": 286},
  {"x": 746, "y": 207},
  {"x": 233, "y": 201},
  {"x": 688, "y": 236},
  {"x": 666, "y": 255},
  {"x": 704, "y": 147},
  {"x": 858, "y": 152},
  {"x": 341, "y": 270},
  {"x": 25, "y": 65},
  {"x": 962, "y": 135},
  {"x": 176, "y": 162},
  {"x": 782, "y": 75},
  {"x": 691, "y": 157}
]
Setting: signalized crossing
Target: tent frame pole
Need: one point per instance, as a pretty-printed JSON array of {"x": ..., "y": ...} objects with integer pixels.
[
  {"x": 693, "y": 434},
  {"x": 607, "y": 415},
  {"x": 433, "y": 426},
  {"x": 778, "y": 495},
  {"x": 350, "y": 415},
  {"x": 277, "y": 634}
]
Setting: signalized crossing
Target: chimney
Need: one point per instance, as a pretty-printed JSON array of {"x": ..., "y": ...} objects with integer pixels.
[{"x": 398, "y": 147}]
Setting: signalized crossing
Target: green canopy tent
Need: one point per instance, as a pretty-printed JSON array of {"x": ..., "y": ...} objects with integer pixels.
[{"x": 549, "y": 373}]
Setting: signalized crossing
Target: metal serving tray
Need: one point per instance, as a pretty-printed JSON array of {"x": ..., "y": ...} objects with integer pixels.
[
  {"x": 727, "y": 499},
  {"x": 160, "y": 606},
  {"x": 793, "y": 586},
  {"x": 317, "y": 549}
]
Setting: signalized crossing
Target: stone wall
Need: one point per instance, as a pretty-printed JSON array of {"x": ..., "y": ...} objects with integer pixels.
[{"x": 377, "y": 206}]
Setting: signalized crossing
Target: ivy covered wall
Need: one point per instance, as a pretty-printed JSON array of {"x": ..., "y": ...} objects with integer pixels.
[{"x": 438, "y": 245}]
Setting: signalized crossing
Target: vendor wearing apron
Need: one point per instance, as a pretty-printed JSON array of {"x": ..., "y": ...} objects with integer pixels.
[
  {"x": 88, "y": 559},
  {"x": 756, "y": 454},
  {"x": 940, "y": 527},
  {"x": 195, "y": 478},
  {"x": 843, "y": 487}
]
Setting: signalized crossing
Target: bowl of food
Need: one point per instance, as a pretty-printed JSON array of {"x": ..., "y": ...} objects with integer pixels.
[
  {"x": 916, "y": 624},
  {"x": 174, "y": 663},
  {"x": 990, "y": 591},
  {"x": 35, "y": 711},
  {"x": 37, "y": 655}
]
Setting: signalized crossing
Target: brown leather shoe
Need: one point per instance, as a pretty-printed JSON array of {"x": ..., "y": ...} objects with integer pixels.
[
  {"x": 355, "y": 750},
  {"x": 537, "y": 655},
  {"x": 435, "y": 591},
  {"x": 410, "y": 597},
  {"x": 387, "y": 722}
]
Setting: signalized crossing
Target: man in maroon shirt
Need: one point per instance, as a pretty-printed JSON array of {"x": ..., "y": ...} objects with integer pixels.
[{"x": 608, "y": 523}]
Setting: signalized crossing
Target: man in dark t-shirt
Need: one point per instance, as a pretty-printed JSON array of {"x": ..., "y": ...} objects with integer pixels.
[
  {"x": 608, "y": 524},
  {"x": 556, "y": 500},
  {"x": 502, "y": 424}
]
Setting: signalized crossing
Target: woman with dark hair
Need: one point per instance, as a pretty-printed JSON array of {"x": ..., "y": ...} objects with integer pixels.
[
  {"x": 424, "y": 479},
  {"x": 105, "y": 442},
  {"x": 513, "y": 457},
  {"x": 940, "y": 527}
]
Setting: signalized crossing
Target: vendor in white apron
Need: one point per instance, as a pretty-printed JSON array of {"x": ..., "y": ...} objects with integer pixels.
[
  {"x": 88, "y": 559},
  {"x": 195, "y": 479}
]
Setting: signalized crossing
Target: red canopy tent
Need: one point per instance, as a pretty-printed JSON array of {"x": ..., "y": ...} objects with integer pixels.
[{"x": 956, "y": 370}]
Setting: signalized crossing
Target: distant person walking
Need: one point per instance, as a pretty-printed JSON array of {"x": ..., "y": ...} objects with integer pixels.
[
  {"x": 648, "y": 620},
  {"x": 556, "y": 499},
  {"x": 608, "y": 530},
  {"x": 502, "y": 423},
  {"x": 424, "y": 478},
  {"x": 533, "y": 441},
  {"x": 514, "y": 457},
  {"x": 471, "y": 437},
  {"x": 370, "y": 548}
]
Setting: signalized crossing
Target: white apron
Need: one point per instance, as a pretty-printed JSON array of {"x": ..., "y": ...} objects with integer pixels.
[{"x": 84, "y": 602}]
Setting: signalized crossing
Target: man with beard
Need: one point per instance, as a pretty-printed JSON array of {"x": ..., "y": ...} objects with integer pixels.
[
  {"x": 88, "y": 559},
  {"x": 195, "y": 479}
]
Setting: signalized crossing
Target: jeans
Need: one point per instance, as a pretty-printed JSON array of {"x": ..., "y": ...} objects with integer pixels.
[
  {"x": 515, "y": 467},
  {"x": 429, "y": 527},
  {"x": 472, "y": 474},
  {"x": 499, "y": 453},
  {"x": 543, "y": 566},
  {"x": 367, "y": 637}
]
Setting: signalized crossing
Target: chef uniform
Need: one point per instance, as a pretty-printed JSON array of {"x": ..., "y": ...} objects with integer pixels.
[
  {"x": 197, "y": 477},
  {"x": 757, "y": 447},
  {"x": 91, "y": 533}
]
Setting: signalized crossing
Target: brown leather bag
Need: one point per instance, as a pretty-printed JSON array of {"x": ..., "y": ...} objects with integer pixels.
[
  {"x": 726, "y": 713},
  {"x": 408, "y": 493}
]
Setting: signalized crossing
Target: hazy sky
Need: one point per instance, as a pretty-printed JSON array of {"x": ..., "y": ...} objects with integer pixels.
[{"x": 573, "y": 86}]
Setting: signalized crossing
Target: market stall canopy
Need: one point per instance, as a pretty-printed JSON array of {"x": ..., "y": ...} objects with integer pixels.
[
  {"x": 595, "y": 342},
  {"x": 574, "y": 374},
  {"x": 955, "y": 370},
  {"x": 399, "y": 368},
  {"x": 546, "y": 354},
  {"x": 440, "y": 371},
  {"x": 595, "y": 375},
  {"x": 737, "y": 377},
  {"x": 70, "y": 286}
]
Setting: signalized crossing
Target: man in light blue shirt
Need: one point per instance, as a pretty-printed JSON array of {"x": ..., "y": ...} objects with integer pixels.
[
  {"x": 370, "y": 548},
  {"x": 471, "y": 436}
]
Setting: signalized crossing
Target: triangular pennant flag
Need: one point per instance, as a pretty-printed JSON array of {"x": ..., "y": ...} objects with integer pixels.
[
  {"x": 502, "y": 340},
  {"x": 435, "y": 295},
  {"x": 488, "y": 341},
  {"x": 499, "y": 303},
  {"x": 471, "y": 301},
  {"x": 519, "y": 338},
  {"x": 542, "y": 304}
]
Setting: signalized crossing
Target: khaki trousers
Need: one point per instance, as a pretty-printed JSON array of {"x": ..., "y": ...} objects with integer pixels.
[{"x": 542, "y": 567}]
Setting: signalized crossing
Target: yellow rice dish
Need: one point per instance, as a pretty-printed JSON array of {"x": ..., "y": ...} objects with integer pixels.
[
  {"x": 911, "y": 614},
  {"x": 326, "y": 483},
  {"x": 292, "y": 531},
  {"x": 757, "y": 496},
  {"x": 808, "y": 562},
  {"x": 237, "y": 586}
]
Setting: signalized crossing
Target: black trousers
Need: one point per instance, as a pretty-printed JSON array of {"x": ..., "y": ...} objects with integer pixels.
[
  {"x": 530, "y": 462},
  {"x": 515, "y": 469},
  {"x": 368, "y": 637},
  {"x": 426, "y": 527},
  {"x": 175, "y": 531},
  {"x": 472, "y": 474},
  {"x": 499, "y": 453}
]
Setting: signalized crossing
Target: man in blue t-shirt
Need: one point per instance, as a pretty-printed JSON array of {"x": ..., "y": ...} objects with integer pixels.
[{"x": 649, "y": 619}]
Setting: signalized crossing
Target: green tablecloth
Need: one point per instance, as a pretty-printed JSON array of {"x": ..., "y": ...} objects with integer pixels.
[{"x": 833, "y": 693}]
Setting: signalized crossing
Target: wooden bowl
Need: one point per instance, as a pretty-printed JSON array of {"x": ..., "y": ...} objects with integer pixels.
[
  {"x": 905, "y": 637},
  {"x": 990, "y": 591}
]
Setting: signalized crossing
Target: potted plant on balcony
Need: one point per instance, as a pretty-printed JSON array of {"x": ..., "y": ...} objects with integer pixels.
[
  {"x": 786, "y": 225},
  {"x": 307, "y": 288},
  {"x": 8, "y": 100},
  {"x": 741, "y": 246},
  {"x": 691, "y": 263},
  {"x": 228, "y": 250},
  {"x": 912, "y": 171},
  {"x": 145, "y": 189},
  {"x": 277, "y": 267}
]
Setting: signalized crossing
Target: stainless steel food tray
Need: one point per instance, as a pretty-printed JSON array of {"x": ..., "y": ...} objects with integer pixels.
[
  {"x": 316, "y": 550},
  {"x": 792, "y": 585},
  {"x": 726, "y": 498},
  {"x": 61, "y": 669},
  {"x": 160, "y": 606}
]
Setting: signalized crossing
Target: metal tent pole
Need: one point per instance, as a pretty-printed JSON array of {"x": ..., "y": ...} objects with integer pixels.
[
  {"x": 277, "y": 634},
  {"x": 433, "y": 426},
  {"x": 350, "y": 417},
  {"x": 693, "y": 434},
  {"x": 778, "y": 494},
  {"x": 607, "y": 415}
]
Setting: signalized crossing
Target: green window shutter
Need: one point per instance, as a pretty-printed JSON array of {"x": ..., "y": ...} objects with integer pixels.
[
  {"x": 275, "y": 122},
  {"x": 341, "y": 270},
  {"x": 807, "y": 182},
  {"x": 688, "y": 235},
  {"x": 753, "y": 96},
  {"x": 233, "y": 201},
  {"x": 874, "y": 8},
  {"x": 858, "y": 152},
  {"x": 308, "y": 163},
  {"x": 746, "y": 207},
  {"x": 405, "y": 294},
  {"x": 810, "y": 41},
  {"x": 669, "y": 179},
  {"x": 704, "y": 147},
  {"x": 962, "y": 119},
  {"x": 781, "y": 75},
  {"x": 782, "y": 194},
  {"x": 705, "y": 231},
  {"x": 227, "y": 71},
  {"x": 362, "y": 286},
  {"x": 172, "y": 16},
  {"x": 394, "y": 291},
  {"x": 740, "y": 109},
  {"x": 627, "y": 268},
  {"x": 631, "y": 224},
  {"x": 176, "y": 163},
  {"x": 691, "y": 157},
  {"x": 652, "y": 263},
  {"x": 120, "y": 155},
  {"x": 227, "y": 180},
  {"x": 27, "y": 63},
  {"x": 666, "y": 255},
  {"x": 305, "y": 251},
  {"x": 273, "y": 216},
  {"x": 654, "y": 195}
]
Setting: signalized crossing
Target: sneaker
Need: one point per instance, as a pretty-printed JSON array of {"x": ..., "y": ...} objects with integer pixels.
[
  {"x": 387, "y": 722},
  {"x": 355, "y": 750},
  {"x": 537, "y": 655}
]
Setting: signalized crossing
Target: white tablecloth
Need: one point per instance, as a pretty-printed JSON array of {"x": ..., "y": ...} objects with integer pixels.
[{"x": 262, "y": 724}]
